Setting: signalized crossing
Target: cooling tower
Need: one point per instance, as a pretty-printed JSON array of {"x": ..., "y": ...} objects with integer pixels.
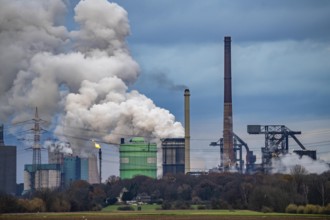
[
  {"x": 228, "y": 149},
  {"x": 93, "y": 174},
  {"x": 187, "y": 130}
]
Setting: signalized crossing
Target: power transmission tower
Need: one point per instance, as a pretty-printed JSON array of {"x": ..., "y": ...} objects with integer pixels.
[
  {"x": 36, "y": 159},
  {"x": 36, "y": 174}
]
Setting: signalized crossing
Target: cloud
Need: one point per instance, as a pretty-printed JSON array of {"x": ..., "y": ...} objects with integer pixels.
[
  {"x": 281, "y": 67},
  {"x": 168, "y": 22},
  {"x": 81, "y": 76}
]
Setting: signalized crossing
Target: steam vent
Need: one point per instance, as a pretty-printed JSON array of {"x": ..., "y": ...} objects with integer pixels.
[{"x": 137, "y": 157}]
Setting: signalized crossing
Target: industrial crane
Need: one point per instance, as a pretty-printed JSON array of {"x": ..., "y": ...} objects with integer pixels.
[{"x": 277, "y": 142}]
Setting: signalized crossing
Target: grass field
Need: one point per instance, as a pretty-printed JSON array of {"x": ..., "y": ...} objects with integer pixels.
[{"x": 151, "y": 212}]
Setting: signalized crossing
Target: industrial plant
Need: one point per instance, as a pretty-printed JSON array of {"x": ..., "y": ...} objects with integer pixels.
[
  {"x": 231, "y": 145},
  {"x": 138, "y": 156},
  {"x": 62, "y": 169}
]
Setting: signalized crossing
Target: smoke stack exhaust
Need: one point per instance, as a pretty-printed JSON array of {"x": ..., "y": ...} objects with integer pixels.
[
  {"x": 228, "y": 149},
  {"x": 187, "y": 130}
]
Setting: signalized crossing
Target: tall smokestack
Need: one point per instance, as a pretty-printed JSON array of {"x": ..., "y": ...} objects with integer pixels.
[
  {"x": 187, "y": 130},
  {"x": 228, "y": 149},
  {"x": 1, "y": 136}
]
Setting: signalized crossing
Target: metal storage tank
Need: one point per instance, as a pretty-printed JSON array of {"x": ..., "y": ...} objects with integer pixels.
[
  {"x": 173, "y": 155},
  {"x": 138, "y": 157}
]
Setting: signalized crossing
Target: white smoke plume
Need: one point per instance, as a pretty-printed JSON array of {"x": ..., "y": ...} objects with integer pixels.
[
  {"x": 285, "y": 164},
  {"x": 82, "y": 75},
  {"x": 58, "y": 146}
]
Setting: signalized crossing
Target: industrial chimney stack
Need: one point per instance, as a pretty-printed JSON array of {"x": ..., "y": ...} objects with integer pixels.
[
  {"x": 187, "y": 130},
  {"x": 1, "y": 136},
  {"x": 228, "y": 149}
]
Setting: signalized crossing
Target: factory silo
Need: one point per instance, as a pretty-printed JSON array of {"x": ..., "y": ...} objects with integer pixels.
[{"x": 138, "y": 157}]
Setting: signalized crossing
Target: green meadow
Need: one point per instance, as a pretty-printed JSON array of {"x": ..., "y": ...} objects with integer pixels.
[{"x": 153, "y": 212}]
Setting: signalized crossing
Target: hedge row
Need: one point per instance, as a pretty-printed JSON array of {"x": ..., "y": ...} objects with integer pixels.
[{"x": 308, "y": 209}]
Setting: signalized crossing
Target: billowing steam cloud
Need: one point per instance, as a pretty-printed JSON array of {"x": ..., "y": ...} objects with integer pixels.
[
  {"x": 286, "y": 163},
  {"x": 59, "y": 146},
  {"x": 81, "y": 75}
]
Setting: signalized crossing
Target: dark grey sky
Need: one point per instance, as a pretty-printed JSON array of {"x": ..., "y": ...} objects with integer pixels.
[
  {"x": 280, "y": 63},
  {"x": 175, "y": 22}
]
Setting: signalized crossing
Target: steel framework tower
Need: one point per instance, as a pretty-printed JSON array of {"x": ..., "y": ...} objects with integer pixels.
[
  {"x": 36, "y": 149},
  {"x": 36, "y": 159},
  {"x": 276, "y": 142}
]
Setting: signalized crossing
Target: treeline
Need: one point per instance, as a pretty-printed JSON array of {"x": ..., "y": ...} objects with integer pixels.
[{"x": 277, "y": 193}]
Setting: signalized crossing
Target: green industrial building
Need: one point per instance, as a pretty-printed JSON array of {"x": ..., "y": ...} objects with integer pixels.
[{"x": 138, "y": 157}]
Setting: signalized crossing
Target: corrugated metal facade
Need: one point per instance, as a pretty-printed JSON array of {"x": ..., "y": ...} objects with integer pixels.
[
  {"x": 138, "y": 157},
  {"x": 173, "y": 155}
]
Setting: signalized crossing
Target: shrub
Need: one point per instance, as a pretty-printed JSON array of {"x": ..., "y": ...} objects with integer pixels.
[
  {"x": 9, "y": 204},
  {"x": 321, "y": 210},
  {"x": 200, "y": 207},
  {"x": 291, "y": 208},
  {"x": 310, "y": 209},
  {"x": 181, "y": 205},
  {"x": 300, "y": 209},
  {"x": 266, "y": 209},
  {"x": 219, "y": 204},
  {"x": 166, "y": 205},
  {"x": 326, "y": 209},
  {"x": 196, "y": 200},
  {"x": 60, "y": 204},
  {"x": 34, "y": 205},
  {"x": 97, "y": 207},
  {"x": 125, "y": 208}
]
